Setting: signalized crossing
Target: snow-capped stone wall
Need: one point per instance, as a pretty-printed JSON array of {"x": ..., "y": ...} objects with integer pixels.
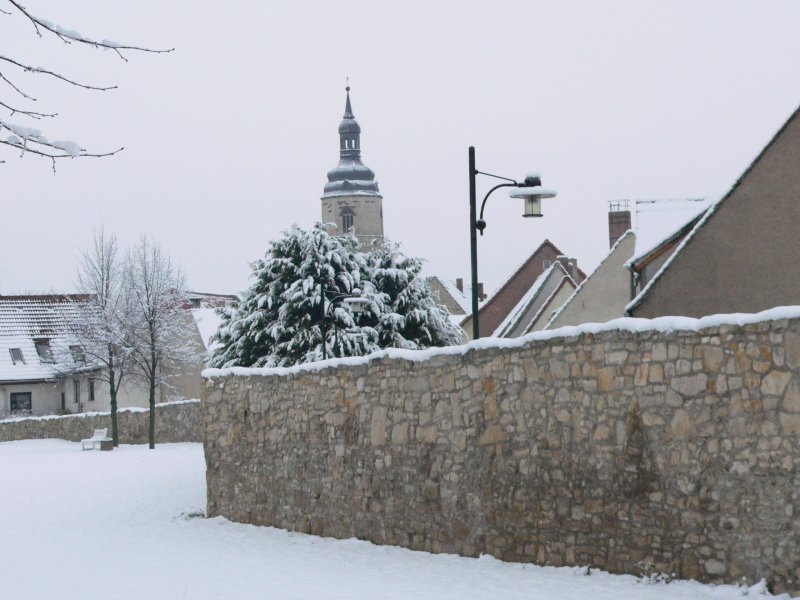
[
  {"x": 608, "y": 448},
  {"x": 178, "y": 421}
]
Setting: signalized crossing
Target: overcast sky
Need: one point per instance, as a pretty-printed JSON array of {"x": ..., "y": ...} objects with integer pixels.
[{"x": 228, "y": 139}]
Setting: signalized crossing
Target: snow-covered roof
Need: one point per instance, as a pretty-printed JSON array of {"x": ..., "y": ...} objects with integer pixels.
[
  {"x": 208, "y": 300},
  {"x": 208, "y": 322},
  {"x": 458, "y": 296},
  {"x": 577, "y": 291},
  {"x": 646, "y": 289},
  {"x": 566, "y": 281},
  {"x": 518, "y": 312},
  {"x": 657, "y": 221},
  {"x": 26, "y": 319},
  {"x": 501, "y": 294}
]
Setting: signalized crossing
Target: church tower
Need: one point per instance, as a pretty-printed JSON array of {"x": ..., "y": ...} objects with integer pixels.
[{"x": 351, "y": 199}]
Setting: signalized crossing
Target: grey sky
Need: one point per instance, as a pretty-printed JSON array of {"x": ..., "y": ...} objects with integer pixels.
[{"x": 229, "y": 138}]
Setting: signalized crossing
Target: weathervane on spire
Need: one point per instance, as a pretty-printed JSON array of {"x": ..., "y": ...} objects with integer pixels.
[{"x": 347, "y": 89}]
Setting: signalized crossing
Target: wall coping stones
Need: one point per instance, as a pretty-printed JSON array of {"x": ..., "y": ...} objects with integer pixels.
[{"x": 624, "y": 324}]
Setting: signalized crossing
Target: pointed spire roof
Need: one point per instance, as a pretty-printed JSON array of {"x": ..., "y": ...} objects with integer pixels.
[
  {"x": 348, "y": 110},
  {"x": 350, "y": 177}
]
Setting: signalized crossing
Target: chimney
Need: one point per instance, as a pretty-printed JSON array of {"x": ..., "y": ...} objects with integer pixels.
[
  {"x": 570, "y": 266},
  {"x": 481, "y": 295},
  {"x": 460, "y": 285},
  {"x": 619, "y": 220}
]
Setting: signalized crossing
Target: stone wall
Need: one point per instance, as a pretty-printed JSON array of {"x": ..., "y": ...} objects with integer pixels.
[
  {"x": 607, "y": 449},
  {"x": 179, "y": 421}
]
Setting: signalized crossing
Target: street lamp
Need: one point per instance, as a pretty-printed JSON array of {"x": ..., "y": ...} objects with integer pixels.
[
  {"x": 530, "y": 190},
  {"x": 354, "y": 300}
]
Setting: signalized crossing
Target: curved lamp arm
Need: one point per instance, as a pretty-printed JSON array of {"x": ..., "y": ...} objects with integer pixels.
[{"x": 480, "y": 223}]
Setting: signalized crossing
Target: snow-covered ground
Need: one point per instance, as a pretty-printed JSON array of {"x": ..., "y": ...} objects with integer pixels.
[{"x": 120, "y": 525}]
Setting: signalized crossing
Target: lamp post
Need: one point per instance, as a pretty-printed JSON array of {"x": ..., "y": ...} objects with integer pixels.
[
  {"x": 356, "y": 305},
  {"x": 529, "y": 190}
]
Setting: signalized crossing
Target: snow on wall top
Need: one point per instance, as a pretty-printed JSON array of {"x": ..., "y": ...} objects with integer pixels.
[{"x": 630, "y": 324}]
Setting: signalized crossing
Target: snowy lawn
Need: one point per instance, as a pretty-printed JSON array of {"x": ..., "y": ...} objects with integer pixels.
[{"x": 118, "y": 525}]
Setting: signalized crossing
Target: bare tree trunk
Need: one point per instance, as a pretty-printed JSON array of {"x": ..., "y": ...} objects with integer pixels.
[
  {"x": 112, "y": 392},
  {"x": 114, "y": 430},
  {"x": 151, "y": 432}
]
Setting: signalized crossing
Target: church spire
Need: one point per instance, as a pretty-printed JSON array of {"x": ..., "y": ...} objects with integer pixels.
[
  {"x": 350, "y": 176},
  {"x": 348, "y": 111},
  {"x": 349, "y": 132}
]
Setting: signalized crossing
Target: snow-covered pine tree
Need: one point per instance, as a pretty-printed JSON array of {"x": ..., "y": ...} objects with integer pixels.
[
  {"x": 281, "y": 318},
  {"x": 279, "y": 321},
  {"x": 411, "y": 317}
]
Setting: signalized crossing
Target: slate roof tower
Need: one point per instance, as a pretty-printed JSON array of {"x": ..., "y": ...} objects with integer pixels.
[{"x": 351, "y": 199}]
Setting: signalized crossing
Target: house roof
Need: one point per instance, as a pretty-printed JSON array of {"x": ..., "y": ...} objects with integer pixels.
[
  {"x": 459, "y": 298},
  {"x": 660, "y": 222},
  {"x": 26, "y": 319},
  {"x": 208, "y": 322},
  {"x": 585, "y": 282},
  {"x": 704, "y": 218},
  {"x": 207, "y": 300},
  {"x": 511, "y": 292},
  {"x": 548, "y": 303},
  {"x": 532, "y": 297}
]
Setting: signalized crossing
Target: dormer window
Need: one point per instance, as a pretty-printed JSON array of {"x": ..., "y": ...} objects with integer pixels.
[
  {"x": 44, "y": 351},
  {"x": 78, "y": 355},
  {"x": 16, "y": 356}
]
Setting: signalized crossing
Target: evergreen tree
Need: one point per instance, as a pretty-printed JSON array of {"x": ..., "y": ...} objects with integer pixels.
[
  {"x": 411, "y": 317},
  {"x": 297, "y": 303},
  {"x": 281, "y": 317}
]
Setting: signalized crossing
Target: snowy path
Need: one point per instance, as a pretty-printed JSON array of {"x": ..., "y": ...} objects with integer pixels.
[{"x": 79, "y": 525}]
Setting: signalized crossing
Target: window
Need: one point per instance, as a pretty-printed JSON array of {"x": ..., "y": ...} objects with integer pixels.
[
  {"x": 347, "y": 218},
  {"x": 91, "y": 390},
  {"x": 16, "y": 356},
  {"x": 78, "y": 355},
  {"x": 547, "y": 264},
  {"x": 20, "y": 402},
  {"x": 76, "y": 386},
  {"x": 44, "y": 351}
]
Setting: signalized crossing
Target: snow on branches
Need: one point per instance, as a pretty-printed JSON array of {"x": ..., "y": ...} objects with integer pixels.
[
  {"x": 29, "y": 140},
  {"x": 299, "y": 307}
]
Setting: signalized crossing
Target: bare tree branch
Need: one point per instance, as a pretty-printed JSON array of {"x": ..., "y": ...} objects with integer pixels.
[
  {"x": 24, "y": 148},
  {"x": 28, "y": 113},
  {"x": 29, "y": 69},
  {"x": 69, "y": 36},
  {"x": 27, "y": 140},
  {"x": 16, "y": 89}
]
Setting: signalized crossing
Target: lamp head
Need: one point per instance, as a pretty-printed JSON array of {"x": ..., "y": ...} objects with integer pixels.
[
  {"x": 532, "y": 193},
  {"x": 356, "y": 304}
]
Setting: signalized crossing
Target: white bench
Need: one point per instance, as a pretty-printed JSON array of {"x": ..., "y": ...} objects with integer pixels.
[{"x": 98, "y": 441}]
